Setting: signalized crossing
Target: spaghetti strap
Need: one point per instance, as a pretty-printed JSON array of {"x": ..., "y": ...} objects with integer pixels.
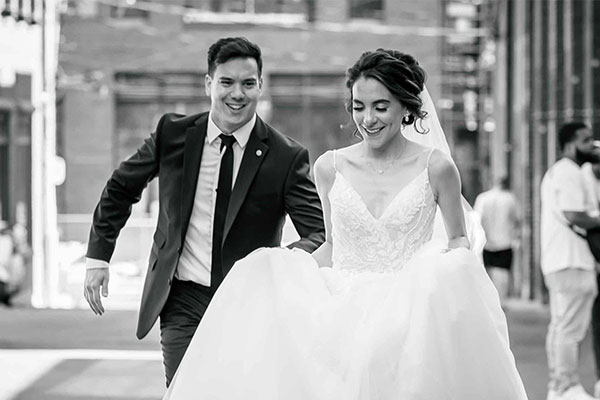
[
  {"x": 427, "y": 167},
  {"x": 428, "y": 158},
  {"x": 334, "y": 165}
]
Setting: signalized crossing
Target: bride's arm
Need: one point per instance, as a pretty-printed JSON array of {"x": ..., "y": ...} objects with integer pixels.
[
  {"x": 324, "y": 177},
  {"x": 445, "y": 183}
]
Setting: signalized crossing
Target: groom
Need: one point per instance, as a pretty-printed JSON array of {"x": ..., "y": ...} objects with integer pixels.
[{"x": 226, "y": 182}]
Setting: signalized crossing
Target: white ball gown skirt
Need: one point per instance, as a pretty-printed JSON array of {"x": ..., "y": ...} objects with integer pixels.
[{"x": 281, "y": 328}]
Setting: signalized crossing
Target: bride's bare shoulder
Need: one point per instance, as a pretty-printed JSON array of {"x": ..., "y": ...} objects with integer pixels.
[
  {"x": 440, "y": 162},
  {"x": 324, "y": 162},
  {"x": 327, "y": 163},
  {"x": 324, "y": 170},
  {"x": 442, "y": 170}
]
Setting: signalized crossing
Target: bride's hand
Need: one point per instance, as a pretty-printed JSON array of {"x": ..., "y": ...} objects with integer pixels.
[
  {"x": 457, "y": 243},
  {"x": 323, "y": 255}
]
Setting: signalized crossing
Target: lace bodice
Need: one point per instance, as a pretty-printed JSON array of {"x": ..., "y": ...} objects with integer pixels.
[{"x": 362, "y": 242}]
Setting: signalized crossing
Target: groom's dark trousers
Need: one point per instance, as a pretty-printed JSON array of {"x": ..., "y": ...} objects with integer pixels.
[
  {"x": 273, "y": 180},
  {"x": 179, "y": 318}
]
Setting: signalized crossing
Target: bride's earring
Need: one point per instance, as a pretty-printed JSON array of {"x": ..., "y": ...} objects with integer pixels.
[{"x": 406, "y": 119}]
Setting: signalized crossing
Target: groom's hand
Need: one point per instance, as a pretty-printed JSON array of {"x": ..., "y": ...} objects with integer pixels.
[{"x": 94, "y": 279}]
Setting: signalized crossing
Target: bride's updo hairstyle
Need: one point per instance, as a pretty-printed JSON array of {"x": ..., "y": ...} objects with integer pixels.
[{"x": 400, "y": 73}]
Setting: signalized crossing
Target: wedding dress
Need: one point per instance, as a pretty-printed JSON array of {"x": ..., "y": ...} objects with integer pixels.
[{"x": 394, "y": 318}]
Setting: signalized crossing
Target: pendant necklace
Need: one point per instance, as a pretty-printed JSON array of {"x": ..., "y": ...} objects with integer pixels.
[{"x": 389, "y": 164}]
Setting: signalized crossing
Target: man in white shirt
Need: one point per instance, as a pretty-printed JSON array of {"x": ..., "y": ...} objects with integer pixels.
[
  {"x": 500, "y": 218},
  {"x": 566, "y": 260},
  {"x": 226, "y": 180},
  {"x": 591, "y": 173}
]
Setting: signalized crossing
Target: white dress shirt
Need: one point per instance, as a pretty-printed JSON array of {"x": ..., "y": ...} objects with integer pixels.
[
  {"x": 593, "y": 184},
  {"x": 564, "y": 189},
  {"x": 196, "y": 257}
]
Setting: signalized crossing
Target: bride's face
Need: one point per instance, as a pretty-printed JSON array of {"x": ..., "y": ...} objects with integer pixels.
[{"x": 376, "y": 113}]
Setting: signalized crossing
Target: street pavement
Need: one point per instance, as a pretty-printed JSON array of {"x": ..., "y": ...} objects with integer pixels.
[{"x": 75, "y": 355}]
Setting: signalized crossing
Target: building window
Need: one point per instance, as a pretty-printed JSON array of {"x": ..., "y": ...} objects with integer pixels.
[
  {"x": 366, "y": 9},
  {"x": 267, "y": 12},
  {"x": 309, "y": 107},
  {"x": 203, "y": 5},
  {"x": 249, "y": 6}
]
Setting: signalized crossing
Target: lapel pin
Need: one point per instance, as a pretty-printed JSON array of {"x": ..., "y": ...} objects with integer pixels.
[{"x": 258, "y": 153}]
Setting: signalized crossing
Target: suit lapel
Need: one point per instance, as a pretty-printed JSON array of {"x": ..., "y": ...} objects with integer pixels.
[
  {"x": 254, "y": 154},
  {"x": 192, "y": 156}
]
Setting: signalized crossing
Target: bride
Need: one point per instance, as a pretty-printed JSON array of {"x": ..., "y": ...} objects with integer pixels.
[{"x": 394, "y": 305}]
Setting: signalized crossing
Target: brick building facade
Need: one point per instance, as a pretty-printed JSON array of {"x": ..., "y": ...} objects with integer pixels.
[{"x": 121, "y": 68}]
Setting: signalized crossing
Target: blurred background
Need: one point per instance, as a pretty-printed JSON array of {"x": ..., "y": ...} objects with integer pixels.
[{"x": 82, "y": 83}]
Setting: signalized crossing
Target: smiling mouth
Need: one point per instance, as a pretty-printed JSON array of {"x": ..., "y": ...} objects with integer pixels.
[
  {"x": 235, "y": 107},
  {"x": 372, "y": 131}
]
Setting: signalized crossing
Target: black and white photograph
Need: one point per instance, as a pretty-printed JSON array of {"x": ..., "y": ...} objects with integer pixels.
[{"x": 299, "y": 199}]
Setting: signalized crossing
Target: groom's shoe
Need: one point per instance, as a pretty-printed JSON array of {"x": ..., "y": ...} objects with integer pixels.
[{"x": 575, "y": 393}]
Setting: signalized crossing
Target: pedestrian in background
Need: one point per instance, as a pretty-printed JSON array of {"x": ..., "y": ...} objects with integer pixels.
[
  {"x": 567, "y": 263},
  {"x": 12, "y": 267},
  {"x": 501, "y": 221},
  {"x": 591, "y": 171}
]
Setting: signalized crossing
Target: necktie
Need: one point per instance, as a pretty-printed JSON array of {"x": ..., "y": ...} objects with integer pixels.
[{"x": 223, "y": 195}]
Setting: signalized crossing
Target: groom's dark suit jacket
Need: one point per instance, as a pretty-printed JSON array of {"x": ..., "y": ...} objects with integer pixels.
[{"x": 273, "y": 180}]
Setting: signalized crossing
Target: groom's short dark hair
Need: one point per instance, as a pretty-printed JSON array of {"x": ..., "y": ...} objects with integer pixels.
[{"x": 225, "y": 49}]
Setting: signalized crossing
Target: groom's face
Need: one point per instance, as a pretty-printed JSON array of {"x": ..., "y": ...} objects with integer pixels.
[{"x": 234, "y": 89}]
